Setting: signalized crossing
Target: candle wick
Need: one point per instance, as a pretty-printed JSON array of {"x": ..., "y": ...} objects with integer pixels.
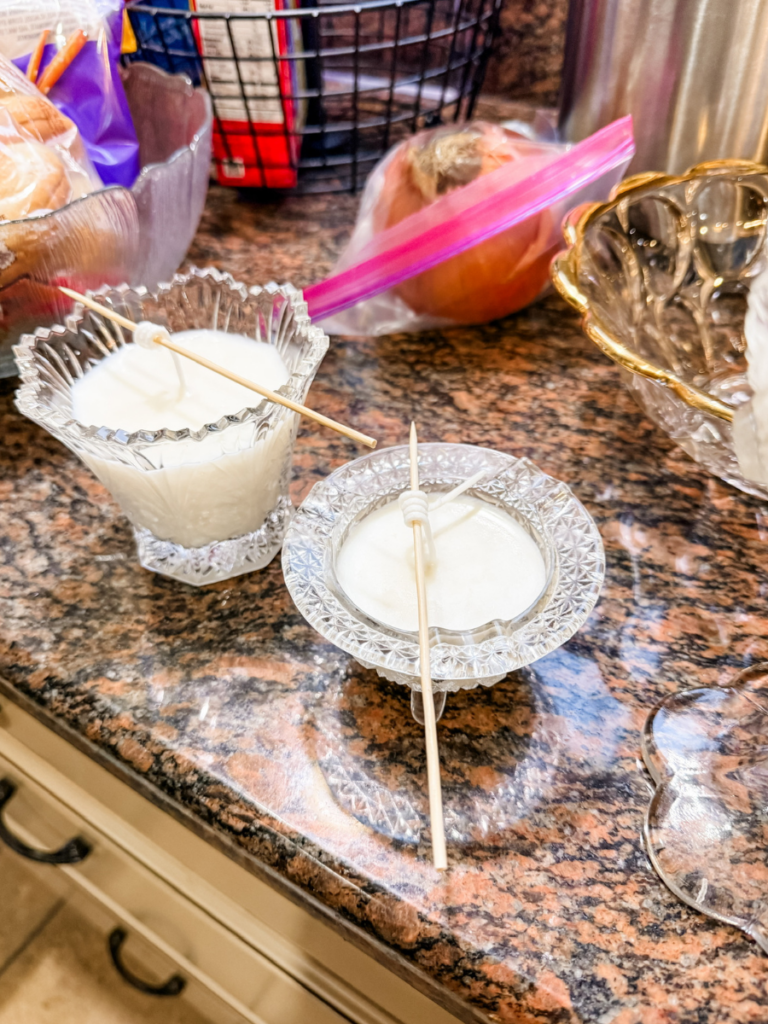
[
  {"x": 415, "y": 509},
  {"x": 470, "y": 482},
  {"x": 180, "y": 375}
]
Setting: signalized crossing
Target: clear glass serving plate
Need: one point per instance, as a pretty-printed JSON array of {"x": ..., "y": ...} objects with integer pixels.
[
  {"x": 560, "y": 525},
  {"x": 706, "y": 828},
  {"x": 138, "y": 235},
  {"x": 205, "y": 504},
  {"x": 661, "y": 274}
]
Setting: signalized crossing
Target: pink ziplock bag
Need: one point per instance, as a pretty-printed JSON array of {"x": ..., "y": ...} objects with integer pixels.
[{"x": 474, "y": 251}]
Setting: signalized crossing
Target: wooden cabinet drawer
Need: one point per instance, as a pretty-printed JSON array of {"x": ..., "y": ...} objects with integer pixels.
[
  {"x": 227, "y": 979},
  {"x": 284, "y": 932}
]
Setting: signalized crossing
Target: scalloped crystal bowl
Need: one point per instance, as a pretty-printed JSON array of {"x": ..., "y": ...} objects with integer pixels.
[
  {"x": 562, "y": 528},
  {"x": 661, "y": 274},
  {"x": 205, "y": 504},
  {"x": 139, "y": 235}
]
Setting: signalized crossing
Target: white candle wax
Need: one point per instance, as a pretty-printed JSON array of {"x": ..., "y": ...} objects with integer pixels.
[
  {"x": 487, "y": 567},
  {"x": 199, "y": 491}
]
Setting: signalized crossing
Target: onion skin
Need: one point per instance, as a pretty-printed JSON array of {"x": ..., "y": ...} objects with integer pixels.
[{"x": 492, "y": 279}]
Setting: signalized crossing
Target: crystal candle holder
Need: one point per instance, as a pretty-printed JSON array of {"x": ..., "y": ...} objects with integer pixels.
[
  {"x": 563, "y": 530},
  {"x": 207, "y": 504}
]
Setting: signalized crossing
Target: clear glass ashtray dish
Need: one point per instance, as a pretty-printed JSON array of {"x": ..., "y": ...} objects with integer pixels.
[
  {"x": 661, "y": 274},
  {"x": 561, "y": 527},
  {"x": 205, "y": 504},
  {"x": 139, "y": 234}
]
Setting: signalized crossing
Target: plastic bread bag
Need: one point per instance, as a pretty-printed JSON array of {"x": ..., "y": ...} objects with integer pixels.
[
  {"x": 57, "y": 224},
  {"x": 458, "y": 225},
  {"x": 83, "y": 44},
  {"x": 43, "y": 163}
]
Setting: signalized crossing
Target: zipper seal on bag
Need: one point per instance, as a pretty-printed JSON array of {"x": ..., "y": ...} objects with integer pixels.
[{"x": 485, "y": 205}]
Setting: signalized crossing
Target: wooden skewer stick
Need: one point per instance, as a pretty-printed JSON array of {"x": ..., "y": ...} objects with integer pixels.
[
  {"x": 272, "y": 396},
  {"x": 430, "y": 723}
]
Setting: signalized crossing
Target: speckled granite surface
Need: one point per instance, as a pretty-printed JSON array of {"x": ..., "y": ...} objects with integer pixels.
[{"x": 221, "y": 702}]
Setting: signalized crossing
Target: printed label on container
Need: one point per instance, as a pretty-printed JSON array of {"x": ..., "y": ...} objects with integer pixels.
[
  {"x": 253, "y": 74},
  {"x": 22, "y": 22}
]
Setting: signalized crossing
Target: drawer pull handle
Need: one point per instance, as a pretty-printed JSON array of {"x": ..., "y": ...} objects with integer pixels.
[
  {"x": 70, "y": 853},
  {"x": 172, "y": 987}
]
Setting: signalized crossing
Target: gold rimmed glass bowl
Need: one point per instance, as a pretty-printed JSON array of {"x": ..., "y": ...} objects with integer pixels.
[{"x": 661, "y": 274}]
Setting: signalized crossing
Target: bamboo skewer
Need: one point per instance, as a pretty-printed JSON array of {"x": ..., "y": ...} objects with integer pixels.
[
  {"x": 272, "y": 396},
  {"x": 430, "y": 723}
]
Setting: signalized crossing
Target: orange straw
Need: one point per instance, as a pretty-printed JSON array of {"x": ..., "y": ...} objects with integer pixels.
[
  {"x": 37, "y": 55},
  {"x": 61, "y": 61}
]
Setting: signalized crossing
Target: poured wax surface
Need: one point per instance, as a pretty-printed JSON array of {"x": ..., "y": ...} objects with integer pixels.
[
  {"x": 487, "y": 566},
  {"x": 139, "y": 389}
]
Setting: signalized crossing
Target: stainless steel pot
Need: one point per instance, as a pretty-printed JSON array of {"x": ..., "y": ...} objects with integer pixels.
[{"x": 693, "y": 74}]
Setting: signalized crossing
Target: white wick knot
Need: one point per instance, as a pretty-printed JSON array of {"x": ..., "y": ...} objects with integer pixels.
[
  {"x": 147, "y": 334},
  {"x": 415, "y": 509}
]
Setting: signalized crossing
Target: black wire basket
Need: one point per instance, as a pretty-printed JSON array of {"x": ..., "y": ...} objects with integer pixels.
[{"x": 309, "y": 98}]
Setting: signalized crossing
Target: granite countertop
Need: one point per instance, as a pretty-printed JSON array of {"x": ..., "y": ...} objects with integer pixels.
[{"x": 224, "y": 706}]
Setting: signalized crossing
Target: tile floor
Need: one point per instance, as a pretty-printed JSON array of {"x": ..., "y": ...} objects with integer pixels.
[{"x": 54, "y": 963}]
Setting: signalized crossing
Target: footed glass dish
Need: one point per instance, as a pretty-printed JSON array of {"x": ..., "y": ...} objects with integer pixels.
[
  {"x": 205, "y": 504},
  {"x": 562, "y": 528},
  {"x": 378, "y": 790}
]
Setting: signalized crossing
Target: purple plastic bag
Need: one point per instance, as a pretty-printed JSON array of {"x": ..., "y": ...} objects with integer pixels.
[{"x": 91, "y": 93}]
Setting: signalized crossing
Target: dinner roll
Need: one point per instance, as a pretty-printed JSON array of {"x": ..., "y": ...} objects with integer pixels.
[
  {"x": 37, "y": 116},
  {"x": 32, "y": 177}
]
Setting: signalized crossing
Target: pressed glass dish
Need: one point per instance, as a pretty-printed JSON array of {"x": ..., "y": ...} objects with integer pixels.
[
  {"x": 705, "y": 829},
  {"x": 564, "y": 531},
  {"x": 661, "y": 274},
  {"x": 139, "y": 235},
  {"x": 374, "y": 789},
  {"x": 205, "y": 504}
]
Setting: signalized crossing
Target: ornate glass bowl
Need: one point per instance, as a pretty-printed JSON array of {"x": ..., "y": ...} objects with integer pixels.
[
  {"x": 705, "y": 829},
  {"x": 562, "y": 528},
  {"x": 660, "y": 273},
  {"x": 139, "y": 235},
  {"x": 205, "y": 504}
]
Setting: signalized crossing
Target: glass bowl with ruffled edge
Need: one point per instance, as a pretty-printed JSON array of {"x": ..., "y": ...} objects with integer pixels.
[
  {"x": 138, "y": 234},
  {"x": 206, "y": 504},
  {"x": 561, "y": 527}
]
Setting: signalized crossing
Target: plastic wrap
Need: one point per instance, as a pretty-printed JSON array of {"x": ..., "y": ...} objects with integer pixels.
[
  {"x": 458, "y": 226},
  {"x": 114, "y": 235},
  {"x": 43, "y": 164},
  {"x": 90, "y": 91}
]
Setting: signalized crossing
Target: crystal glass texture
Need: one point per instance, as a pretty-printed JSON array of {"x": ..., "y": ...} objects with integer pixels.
[
  {"x": 662, "y": 273},
  {"x": 707, "y": 752},
  {"x": 148, "y": 471},
  {"x": 138, "y": 235},
  {"x": 564, "y": 531}
]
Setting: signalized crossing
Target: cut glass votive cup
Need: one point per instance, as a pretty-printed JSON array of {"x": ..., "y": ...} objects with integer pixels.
[{"x": 206, "y": 504}]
